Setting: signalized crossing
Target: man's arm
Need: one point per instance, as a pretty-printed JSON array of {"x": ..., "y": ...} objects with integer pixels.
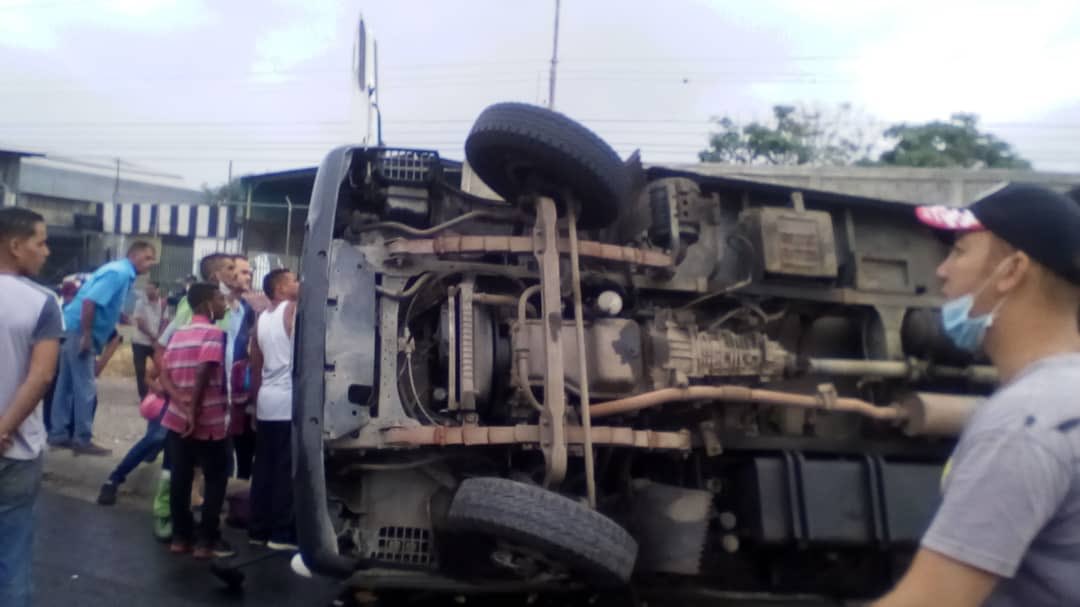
[
  {"x": 167, "y": 385},
  {"x": 86, "y": 325},
  {"x": 182, "y": 318},
  {"x": 107, "y": 354},
  {"x": 290, "y": 318},
  {"x": 202, "y": 381},
  {"x": 140, "y": 323},
  {"x": 42, "y": 370},
  {"x": 935, "y": 579},
  {"x": 255, "y": 366},
  {"x": 1003, "y": 487}
]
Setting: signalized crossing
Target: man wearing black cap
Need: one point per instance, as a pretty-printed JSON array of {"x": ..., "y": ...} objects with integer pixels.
[{"x": 1008, "y": 529}]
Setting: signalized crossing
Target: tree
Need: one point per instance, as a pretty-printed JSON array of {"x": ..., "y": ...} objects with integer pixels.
[
  {"x": 955, "y": 143},
  {"x": 796, "y": 135},
  {"x": 226, "y": 192}
]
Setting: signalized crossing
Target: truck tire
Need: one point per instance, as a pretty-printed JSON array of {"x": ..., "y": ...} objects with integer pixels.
[
  {"x": 580, "y": 538},
  {"x": 516, "y": 149}
]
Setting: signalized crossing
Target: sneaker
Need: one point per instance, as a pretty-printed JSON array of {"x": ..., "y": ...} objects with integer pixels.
[
  {"x": 107, "y": 495},
  {"x": 90, "y": 449},
  {"x": 163, "y": 528},
  {"x": 179, "y": 547},
  {"x": 256, "y": 541},
  {"x": 211, "y": 550}
]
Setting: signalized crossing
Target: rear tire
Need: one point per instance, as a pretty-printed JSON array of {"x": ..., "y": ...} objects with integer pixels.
[
  {"x": 582, "y": 539},
  {"x": 519, "y": 149}
]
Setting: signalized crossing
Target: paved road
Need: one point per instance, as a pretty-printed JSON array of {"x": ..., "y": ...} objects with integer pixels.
[{"x": 90, "y": 556}]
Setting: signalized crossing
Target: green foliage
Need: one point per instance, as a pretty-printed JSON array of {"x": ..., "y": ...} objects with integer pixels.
[
  {"x": 795, "y": 135},
  {"x": 840, "y": 137},
  {"x": 955, "y": 143}
]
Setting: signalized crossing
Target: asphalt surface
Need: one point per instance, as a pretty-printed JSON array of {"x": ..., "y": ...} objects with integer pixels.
[{"x": 87, "y": 555}]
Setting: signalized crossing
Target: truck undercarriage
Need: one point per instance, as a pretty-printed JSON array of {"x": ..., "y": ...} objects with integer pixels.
[{"x": 614, "y": 375}]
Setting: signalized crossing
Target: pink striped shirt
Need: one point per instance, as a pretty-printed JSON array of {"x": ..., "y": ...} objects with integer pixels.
[{"x": 190, "y": 346}]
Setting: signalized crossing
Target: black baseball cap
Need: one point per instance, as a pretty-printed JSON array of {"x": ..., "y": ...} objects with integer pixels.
[{"x": 1036, "y": 220}]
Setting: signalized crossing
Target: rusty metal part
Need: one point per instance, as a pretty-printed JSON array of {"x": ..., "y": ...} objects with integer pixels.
[
  {"x": 407, "y": 229},
  {"x": 455, "y": 245},
  {"x": 528, "y": 434},
  {"x": 825, "y": 400},
  {"x": 983, "y": 374},
  {"x": 683, "y": 348},
  {"x": 613, "y": 351},
  {"x": 409, "y": 292},
  {"x": 452, "y": 349},
  {"x": 932, "y": 414},
  {"x": 583, "y": 363},
  {"x": 521, "y": 349},
  {"x": 494, "y": 299},
  {"x": 553, "y": 419},
  {"x": 792, "y": 242},
  {"x": 467, "y": 364}
]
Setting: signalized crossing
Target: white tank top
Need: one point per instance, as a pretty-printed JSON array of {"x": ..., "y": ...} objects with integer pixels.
[{"x": 275, "y": 392}]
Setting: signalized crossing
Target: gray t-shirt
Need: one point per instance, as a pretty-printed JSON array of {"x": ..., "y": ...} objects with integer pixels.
[
  {"x": 30, "y": 314},
  {"x": 1012, "y": 490}
]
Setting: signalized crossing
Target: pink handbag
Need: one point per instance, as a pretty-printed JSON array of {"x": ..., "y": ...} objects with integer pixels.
[{"x": 152, "y": 408}]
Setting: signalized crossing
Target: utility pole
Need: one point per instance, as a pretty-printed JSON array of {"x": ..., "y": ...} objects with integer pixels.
[
  {"x": 554, "y": 59},
  {"x": 116, "y": 184}
]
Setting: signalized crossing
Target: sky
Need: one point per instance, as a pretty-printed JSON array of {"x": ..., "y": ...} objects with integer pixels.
[{"x": 186, "y": 86}]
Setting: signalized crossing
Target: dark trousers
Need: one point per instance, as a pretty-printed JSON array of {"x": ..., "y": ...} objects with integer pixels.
[
  {"x": 212, "y": 456},
  {"x": 271, "y": 484},
  {"x": 244, "y": 448},
  {"x": 139, "y": 354}
]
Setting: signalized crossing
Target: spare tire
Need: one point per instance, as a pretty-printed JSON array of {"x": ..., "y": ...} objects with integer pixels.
[
  {"x": 519, "y": 149},
  {"x": 582, "y": 539}
]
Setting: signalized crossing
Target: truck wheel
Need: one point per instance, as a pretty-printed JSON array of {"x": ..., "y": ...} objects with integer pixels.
[
  {"x": 518, "y": 149},
  {"x": 582, "y": 539}
]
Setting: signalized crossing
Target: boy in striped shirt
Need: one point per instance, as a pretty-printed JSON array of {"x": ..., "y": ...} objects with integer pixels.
[{"x": 198, "y": 423}]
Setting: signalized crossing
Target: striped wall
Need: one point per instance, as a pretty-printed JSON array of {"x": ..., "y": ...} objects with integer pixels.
[{"x": 196, "y": 221}]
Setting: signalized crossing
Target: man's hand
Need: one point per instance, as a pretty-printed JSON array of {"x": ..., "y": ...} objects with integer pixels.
[
  {"x": 7, "y": 441},
  {"x": 189, "y": 429},
  {"x": 86, "y": 343},
  {"x": 936, "y": 579}
]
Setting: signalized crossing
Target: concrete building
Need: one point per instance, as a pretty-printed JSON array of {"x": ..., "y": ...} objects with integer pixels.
[
  {"x": 94, "y": 210},
  {"x": 955, "y": 187}
]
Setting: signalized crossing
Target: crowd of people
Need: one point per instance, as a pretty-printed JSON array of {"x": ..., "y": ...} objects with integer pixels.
[{"x": 214, "y": 383}]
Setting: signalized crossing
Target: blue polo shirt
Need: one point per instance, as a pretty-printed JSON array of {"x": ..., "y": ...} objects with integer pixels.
[{"x": 108, "y": 288}]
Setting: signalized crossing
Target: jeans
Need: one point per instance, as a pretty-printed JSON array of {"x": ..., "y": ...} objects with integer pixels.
[
  {"x": 212, "y": 456},
  {"x": 73, "y": 399},
  {"x": 271, "y": 484},
  {"x": 139, "y": 354},
  {"x": 147, "y": 448},
  {"x": 20, "y": 481},
  {"x": 244, "y": 449}
]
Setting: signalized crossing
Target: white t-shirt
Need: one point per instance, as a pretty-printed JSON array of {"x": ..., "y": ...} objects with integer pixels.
[
  {"x": 275, "y": 391},
  {"x": 30, "y": 315},
  {"x": 151, "y": 314}
]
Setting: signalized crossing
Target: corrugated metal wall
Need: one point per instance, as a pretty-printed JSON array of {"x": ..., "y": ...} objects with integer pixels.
[{"x": 174, "y": 262}]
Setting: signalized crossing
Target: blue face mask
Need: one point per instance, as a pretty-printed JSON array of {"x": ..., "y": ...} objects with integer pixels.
[{"x": 968, "y": 333}]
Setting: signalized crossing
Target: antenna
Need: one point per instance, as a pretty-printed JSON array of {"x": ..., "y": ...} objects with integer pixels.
[{"x": 554, "y": 59}]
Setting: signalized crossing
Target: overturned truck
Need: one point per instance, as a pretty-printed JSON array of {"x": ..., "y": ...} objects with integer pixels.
[{"x": 613, "y": 375}]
